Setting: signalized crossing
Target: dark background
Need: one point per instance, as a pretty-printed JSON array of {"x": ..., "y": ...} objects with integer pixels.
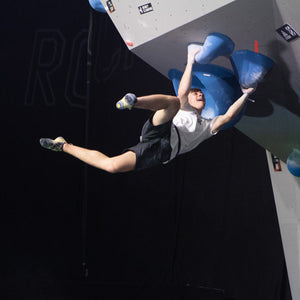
[{"x": 202, "y": 227}]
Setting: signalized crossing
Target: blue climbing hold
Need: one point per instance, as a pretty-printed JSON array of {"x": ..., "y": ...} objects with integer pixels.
[
  {"x": 293, "y": 163},
  {"x": 250, "y": 67},
  {"x": 216, "y": 44},
  {"x": 97, "y": 5},
  {"x": 220, "y": 88}
]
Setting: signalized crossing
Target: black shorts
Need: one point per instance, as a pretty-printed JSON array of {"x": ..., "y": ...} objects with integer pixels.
[{"x": 154, "y": 147}]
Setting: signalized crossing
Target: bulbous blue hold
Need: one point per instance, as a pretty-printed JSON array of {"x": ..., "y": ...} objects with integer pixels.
[
  {"x": 222, "y": 89},
  {"x": 97, "y": 5},
  {"x": 219, "y": 85},
  {"x": 250, "y": 67},
  {"x": 293, "y": 163},
  {"x": 216, "y": 44}
]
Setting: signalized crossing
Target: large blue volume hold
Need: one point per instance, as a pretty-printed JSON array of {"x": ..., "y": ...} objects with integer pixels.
[
  {"x": 219, "y": 85},
  {"x": 250, "y": 67}
]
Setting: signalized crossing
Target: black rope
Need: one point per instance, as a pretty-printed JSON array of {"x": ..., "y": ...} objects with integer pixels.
[
  {"x": 179, "y": 198},
  {"x": 84, "y": 262}
]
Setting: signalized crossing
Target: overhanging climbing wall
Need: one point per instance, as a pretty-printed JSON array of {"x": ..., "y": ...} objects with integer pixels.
[
  {"x": 139, "y": 22},
  {"x": 160, "y": 31}
]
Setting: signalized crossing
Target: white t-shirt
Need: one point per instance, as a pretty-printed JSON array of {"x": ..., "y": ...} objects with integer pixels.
[{"x": 192, "y": 129}]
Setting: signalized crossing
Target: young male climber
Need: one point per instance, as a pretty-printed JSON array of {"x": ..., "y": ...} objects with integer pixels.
[{"x": 176, "y": 127}]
